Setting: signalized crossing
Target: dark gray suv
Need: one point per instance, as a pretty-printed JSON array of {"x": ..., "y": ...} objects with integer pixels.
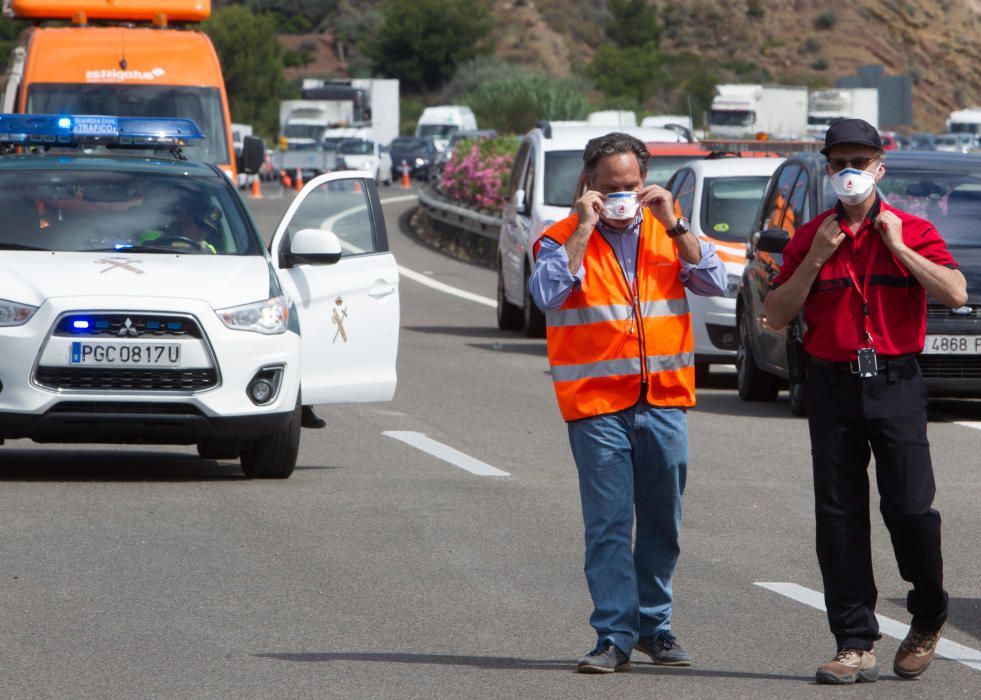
[{"x": 942, "y": 187}]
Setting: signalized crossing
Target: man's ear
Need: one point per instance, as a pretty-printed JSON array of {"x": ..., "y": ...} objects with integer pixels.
[{"x": 880, "y": 172}]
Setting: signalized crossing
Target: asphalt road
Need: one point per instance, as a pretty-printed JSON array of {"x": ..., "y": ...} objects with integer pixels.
[{"x": 382, "y": 571}]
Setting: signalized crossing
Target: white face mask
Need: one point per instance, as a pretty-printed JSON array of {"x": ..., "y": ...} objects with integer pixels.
[
  {"x": 853, "y": 186},
  {"x": 620, "y": 206}
]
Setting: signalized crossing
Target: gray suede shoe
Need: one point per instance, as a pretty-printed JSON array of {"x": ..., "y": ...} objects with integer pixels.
[
  {"x": 605, "y": 658},
  {"x": 664, "y": 650}
]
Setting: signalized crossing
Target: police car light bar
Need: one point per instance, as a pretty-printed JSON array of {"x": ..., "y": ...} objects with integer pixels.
[{"x": 77, "y": 130}]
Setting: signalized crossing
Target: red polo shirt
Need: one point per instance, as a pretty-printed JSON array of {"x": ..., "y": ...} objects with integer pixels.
[{"x": 833, "y": 311}]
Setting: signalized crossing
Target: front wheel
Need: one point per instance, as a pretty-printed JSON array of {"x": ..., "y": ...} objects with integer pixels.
[
  {"x": 509, "y": 317},
  {"x": 273, "y": 456},
  {"x": 797, "y": 400},
  {"x": 753, "y": 383}
]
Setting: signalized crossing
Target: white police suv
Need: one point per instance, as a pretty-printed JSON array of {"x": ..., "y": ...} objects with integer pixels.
[{"x": 138, "y": 303}]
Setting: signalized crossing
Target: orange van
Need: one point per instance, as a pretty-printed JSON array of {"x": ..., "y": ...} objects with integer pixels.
[{"x": 123, "y": 70}]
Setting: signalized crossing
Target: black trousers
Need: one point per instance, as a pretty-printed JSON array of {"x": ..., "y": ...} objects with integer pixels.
[{"x": 851, "y": 418}]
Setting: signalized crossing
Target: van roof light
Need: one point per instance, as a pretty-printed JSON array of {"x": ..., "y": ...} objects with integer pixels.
[
  {"x": 77, "y": 130},
  {"x": 79, "y": 19},
  {"x": 160, "y": 21}
]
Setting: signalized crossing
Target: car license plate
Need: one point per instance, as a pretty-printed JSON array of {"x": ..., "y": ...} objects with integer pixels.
[
  {"x": 126, "y": 354},
  {"x": 952, "y": 345}
]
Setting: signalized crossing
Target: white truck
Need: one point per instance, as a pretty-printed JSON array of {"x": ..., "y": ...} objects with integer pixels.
[
  {"x": 370, "y": 105},
  {"x": 828, "y": 106},
  {"x": 741, "y": 111},
  {"x": 965, "y": 121}
]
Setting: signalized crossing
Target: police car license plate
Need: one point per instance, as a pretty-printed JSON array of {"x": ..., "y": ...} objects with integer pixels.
[
  {"x": 952, "y": 345},
  {"x": 126, "y": 354}
]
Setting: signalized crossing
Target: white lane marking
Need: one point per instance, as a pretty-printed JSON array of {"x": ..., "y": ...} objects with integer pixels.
[
  {"x": 969, "y": 424},
  {"x": 328, "y": 225},
  {"x": 403, "y": 198},
  {"x": 444, "y": 452},
  {"x": 946, "y": 648}
]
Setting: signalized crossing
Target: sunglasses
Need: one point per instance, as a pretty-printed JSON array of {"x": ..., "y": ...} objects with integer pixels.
[{"x": 857, "y": 163}]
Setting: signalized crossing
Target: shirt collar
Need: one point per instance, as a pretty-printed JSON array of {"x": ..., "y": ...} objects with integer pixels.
[{"x": 877, "y": 207}]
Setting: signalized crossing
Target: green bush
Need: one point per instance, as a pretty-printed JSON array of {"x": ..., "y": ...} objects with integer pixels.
[
  {"x": 826, "y": 20},
  {"x": 514, "y": 105}
]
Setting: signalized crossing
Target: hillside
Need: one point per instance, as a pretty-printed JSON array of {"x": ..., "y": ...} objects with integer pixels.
[{"x": 936, "y": 42}]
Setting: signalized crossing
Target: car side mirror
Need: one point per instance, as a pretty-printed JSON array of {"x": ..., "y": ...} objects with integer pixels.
[
  {"x": 312, "y": 246},
  {"x": 773, "y": 240},
  {"x": 253, "y": 154},
  {"x": 518, "y": 200}
]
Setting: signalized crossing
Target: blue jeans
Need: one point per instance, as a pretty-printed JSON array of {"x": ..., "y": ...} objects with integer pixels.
[{"x": 634, "y": 461}]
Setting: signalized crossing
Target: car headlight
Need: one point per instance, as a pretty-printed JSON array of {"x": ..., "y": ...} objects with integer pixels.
[
  {"x": 732, "y": 286},
  {"x": 420, "y": 162},
  {"x": 14, "y": 314},
  {"x": 268, "y": 317}
]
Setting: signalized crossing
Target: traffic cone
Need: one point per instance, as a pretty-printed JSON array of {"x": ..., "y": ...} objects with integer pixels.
[
  {"x": 357, "y": 186},
  {"x": 285, "y": 180},
  {"x": 256, "y": 188},
  {"x": 405, "y": 176},
  {"x": 299, "y": 180}
]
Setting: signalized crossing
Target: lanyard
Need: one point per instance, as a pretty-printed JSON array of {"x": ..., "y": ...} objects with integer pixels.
[{"x": 863, "y": 289}]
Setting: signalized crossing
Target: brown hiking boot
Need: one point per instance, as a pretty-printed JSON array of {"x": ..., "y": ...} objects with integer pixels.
[
  {"x": 849, "y": 666},
  {"x": 915, "y": 653}
]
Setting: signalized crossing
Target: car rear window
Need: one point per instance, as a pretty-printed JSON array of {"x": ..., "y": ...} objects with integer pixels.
[
  {"x": 729, "y": 205},
  {"x": 112, "y": 210},
  {"x": 951, "y": 201}
]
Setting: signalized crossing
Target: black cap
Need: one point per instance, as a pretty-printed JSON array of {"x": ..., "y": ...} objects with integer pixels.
[{"x": 855, "y": 131}]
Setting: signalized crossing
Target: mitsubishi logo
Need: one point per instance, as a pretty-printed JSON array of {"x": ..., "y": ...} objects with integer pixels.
[{"x": 128, "y": 329}]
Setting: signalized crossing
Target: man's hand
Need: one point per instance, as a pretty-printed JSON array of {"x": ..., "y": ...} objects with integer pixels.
[
  {"x": 890, "y": 228},
  {"x": 826, "y": 241},
  {"x": 588, "y": 206},
  {"x": 659, "y": 201}
]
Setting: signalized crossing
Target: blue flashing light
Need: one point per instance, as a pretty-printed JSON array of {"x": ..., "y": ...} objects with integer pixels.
[
  {"x": 80, "y": 324},
  {"x": 80, "y": 130}
]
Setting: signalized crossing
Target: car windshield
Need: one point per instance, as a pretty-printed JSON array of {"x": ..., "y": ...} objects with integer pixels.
[
  {"x": 731, "y": 117},
  {"x": 950, "y": 201},
  {"x": 661, "y": 168},
  {"x": 303, "y": 131},
  {"x": 107, "y": 210},
  {"x": 201, "y": 104},
  {"x": 729, "y": 205},
  {"x": 356, "y": 148},
  {"x": 436, "y": 130},
  {"x": 562, "y": 169}
]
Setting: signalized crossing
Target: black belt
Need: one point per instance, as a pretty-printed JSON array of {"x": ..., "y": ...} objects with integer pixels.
[{"x": 884, "y": 362}]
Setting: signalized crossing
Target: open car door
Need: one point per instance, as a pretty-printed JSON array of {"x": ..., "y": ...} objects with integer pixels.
[{"x": 349, "y": 309}]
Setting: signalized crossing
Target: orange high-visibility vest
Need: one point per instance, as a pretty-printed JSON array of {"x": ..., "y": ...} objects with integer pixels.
[{"x": 607, "y": 339}]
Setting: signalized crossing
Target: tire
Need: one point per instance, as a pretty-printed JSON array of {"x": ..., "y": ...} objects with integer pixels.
[
  {"x": 534, "y": 319},
  {"x": 753, "y": 383},
  {"x": 797, "y": 400},
  {"x": 701, "y": 374},
  {"x": 218, "y": 449},
  {"x": 273, "y": 456},
  {"x": 509, "y": 316}
]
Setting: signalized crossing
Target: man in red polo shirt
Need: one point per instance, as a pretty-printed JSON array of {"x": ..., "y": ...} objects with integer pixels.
[{"x": 861, "y": 272}]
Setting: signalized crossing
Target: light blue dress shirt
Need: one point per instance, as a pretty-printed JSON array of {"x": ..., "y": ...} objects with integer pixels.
[{"x": 551, "y": 282}]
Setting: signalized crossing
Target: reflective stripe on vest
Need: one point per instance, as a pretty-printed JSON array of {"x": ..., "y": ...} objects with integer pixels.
[
  {"x": 614, "y": 312},
  {"x": 615, "y": 368}
]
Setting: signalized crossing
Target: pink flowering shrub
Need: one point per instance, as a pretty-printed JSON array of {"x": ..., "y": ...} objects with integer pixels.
[{"x": 479, "y": 170}]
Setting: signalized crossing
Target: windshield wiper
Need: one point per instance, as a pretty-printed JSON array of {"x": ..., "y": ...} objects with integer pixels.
[{"x": 18, "y": 246}]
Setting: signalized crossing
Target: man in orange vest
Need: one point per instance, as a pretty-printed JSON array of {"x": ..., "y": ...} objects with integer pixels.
[{"x": 611, "y": 279}]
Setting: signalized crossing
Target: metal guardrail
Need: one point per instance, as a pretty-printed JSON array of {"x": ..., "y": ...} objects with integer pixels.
[{"x": 459, "y": 217}]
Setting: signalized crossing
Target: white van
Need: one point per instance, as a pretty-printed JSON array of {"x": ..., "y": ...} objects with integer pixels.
[
  {"x": 540, "y": 192},
  {"x": 439, "y": 122}
]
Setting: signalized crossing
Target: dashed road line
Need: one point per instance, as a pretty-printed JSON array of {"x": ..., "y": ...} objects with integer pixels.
[
  {"x": 893, "y": 628},
  {"x": 444, "y": 452}
]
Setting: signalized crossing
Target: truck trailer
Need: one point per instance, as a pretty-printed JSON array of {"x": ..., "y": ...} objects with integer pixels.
[
  {"x": 741, "y": 111},
  {"x": 825, "y": 107}
]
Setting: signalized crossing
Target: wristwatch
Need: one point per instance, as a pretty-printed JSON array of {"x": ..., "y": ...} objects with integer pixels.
[{"x": 680, "y": 228}]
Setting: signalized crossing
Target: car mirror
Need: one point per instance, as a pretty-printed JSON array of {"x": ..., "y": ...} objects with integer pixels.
[
  {"x": 773, "y": 240},
  {"x": 253, "y": 153},
  {"x": 312, "y": 246},
  {"x": 518, "y": 200}
]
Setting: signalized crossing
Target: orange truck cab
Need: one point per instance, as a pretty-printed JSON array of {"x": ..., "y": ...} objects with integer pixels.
[{"x": 122, "y": 69}]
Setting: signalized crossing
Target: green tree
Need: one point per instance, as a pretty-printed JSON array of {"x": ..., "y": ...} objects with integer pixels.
[
  {"x": 252, "y": 65},
  {"x": 630, "y": 71},
  {"x": 513, "y": 105},
  {"x": 632, "y": 23},
  {"x": 9, "y": 30},
  {"x": 421, "y": 42}
]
